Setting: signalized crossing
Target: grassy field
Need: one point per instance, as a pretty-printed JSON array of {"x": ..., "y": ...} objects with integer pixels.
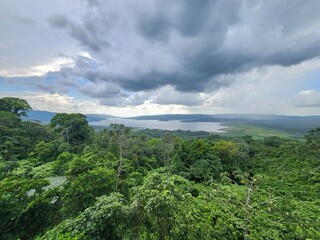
[{"x": 258, "y": 132}]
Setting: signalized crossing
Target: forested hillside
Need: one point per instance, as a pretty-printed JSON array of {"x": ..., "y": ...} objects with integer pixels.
[{"x": 64, "y": 180}]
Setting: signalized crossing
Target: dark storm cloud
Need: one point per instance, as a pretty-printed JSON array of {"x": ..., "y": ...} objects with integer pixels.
[
  {"x": 204, "y": 39},
  {"x": 154, "y": 27},
  {"x": 86, "y": 33},
  {"x": 189, "y": 18},
  {"x": 183, "y": 81},
  {"x": 193, "y": 17},
  {"x": 167, "y": 96},
  {"x": 92, "y": 3},
  {"x": 215, "y": 16},
  {"x": 298, "y": 52}
]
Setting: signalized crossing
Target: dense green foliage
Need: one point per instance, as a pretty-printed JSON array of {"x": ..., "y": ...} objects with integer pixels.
[
  {"x": 66, "y": 181},
  {"x": 14, "y": 105}
]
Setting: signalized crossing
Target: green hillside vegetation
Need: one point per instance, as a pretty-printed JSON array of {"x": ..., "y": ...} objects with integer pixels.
[
  {"x": 64, "y": 180},
  {"x": 259, "y": 132}
]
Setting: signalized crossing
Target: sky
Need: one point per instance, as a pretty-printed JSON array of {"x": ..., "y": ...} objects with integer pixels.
[{"x": 143, "y": 57}]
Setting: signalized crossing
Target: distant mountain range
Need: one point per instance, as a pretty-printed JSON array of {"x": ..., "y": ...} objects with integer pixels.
[
  {"x": 45, "y": 116},
  {"x": 207, "y": 117},
  {"x": 299, "y": 124},
  {"x": 296, "y": 124},
  {"x": 219, "y": 117}
]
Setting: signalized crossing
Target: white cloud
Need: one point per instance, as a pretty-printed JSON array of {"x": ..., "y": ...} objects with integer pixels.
[
  {"x": 64, "y": 103},
  {"x": 307, "y": 99},
  {"x": 26, "y": 40},
  {"x": 55, "y": 102},
  {"x": 39, "y": 70},
  {"x": 271, "y": 90}
]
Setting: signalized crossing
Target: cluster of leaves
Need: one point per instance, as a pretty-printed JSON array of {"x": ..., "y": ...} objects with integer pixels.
[{"x": 66, "y": 181}]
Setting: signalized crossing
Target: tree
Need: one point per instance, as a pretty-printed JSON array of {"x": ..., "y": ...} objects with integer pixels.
[
  {"x": 196, "y": 160},
  {"x": 46, "y": 152},
  {"x": 80, "y": 192},
  {"x": 168, "y": 148},
  {"x": 43, "y": 212},
  {"x": 313, "y": 135},
  {"x": 14, "y": 105},
  {"x": 16, "y": 195},
  {"x": 38, "y": 132},
  {"x": 120, "y": 134},
  {"x": 72, "y": 127},
  {"x": 228, "y": 153},
  {"x": 106, "y": 219},
  {"x": 159, "y": 201},
  {"x": 313, "y": 141},
  {"x": 14, "y": 141},
  {"x": 60, "y": 166},
  {"x": 273, "y": 141}
]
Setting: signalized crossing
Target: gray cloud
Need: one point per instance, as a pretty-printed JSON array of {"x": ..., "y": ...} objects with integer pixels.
[
  {"x": 138, "y": 48},
  {"x": 26, "y": 40},
  {"x": 206, "y": 38},
  {"x": 92, "y": 3},
  {"x": 154, "y": 26},
  {"x": 59, "y": 86},
  {"x": 86, "y": 33},
  {"x": 168, "y": 96}
]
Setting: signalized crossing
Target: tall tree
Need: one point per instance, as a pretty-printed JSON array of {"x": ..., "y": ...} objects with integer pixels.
[
  {"x": 72, "y": 127},
  {"x": 159, "y": 201},
  {"x": 13, "y": 138},
  {"x": 120, "y": 134},
  {"x": 15, "y": 105}
]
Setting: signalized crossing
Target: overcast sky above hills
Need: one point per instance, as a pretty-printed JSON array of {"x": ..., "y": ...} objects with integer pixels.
[{"x": 138, "y": 57}]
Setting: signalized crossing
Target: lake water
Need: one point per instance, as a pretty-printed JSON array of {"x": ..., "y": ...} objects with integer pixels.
[{"x": 164, "y": 125}]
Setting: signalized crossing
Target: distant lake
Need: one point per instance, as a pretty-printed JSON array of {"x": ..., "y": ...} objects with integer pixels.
[{"x": 164, "y": 125}]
